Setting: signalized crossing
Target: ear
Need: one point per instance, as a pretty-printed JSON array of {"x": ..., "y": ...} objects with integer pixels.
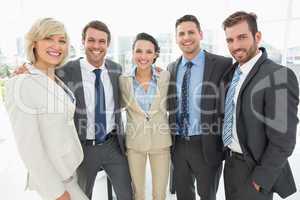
[
  {"x": 82, "y": 41},
  {"x": 201, "y": 35},
  {"x": 34, "y": 44},
  {"x": 258, "y": 36}
]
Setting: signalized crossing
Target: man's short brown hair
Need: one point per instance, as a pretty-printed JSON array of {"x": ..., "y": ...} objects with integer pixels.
[
  {"x": 239, "y": 17},
  {"x": 99, "y": 26},
  {"x": 188, "y": 18}
]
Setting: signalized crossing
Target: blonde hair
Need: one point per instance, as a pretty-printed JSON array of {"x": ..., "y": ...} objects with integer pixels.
[{"x": 41, "y": 29}]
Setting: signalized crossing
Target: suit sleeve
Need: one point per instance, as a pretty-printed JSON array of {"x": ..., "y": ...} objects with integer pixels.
[
  {"x": 25, "y": 123},
  {"x": 122, "y": 91},
  {"x": 281, "y": 102}
]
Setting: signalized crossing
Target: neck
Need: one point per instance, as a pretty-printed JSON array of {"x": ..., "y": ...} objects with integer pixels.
[
  {"x": 144, "y": 73},
  {"x": 49, "y": 70},
  {"x": 96, "y": 65},
  {"x": 190, "y": 56}
]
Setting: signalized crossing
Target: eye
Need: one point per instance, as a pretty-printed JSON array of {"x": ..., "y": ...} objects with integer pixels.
[
  {"x": 62, "y": 41},
  {"x": 138, "y": 51},
  {"x": 229, "y": 40},
  {"x": 149, "y": 52},
  {"x": 181, "y": 34},
  {"x": 242, "y": 37},
  {"x": 47, "y": 38},
  {"x": 191, "y": 32}
]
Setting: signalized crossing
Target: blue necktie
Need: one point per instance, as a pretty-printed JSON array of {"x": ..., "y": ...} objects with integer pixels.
[
  {"x": 100, "y": 115},
  {"x": 229, "y": 107},
  {"x": 184, "y": 116}
]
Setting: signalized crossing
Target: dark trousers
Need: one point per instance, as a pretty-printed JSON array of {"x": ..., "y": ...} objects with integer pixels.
[
  {"x": 190, "y": 165},
  {"x": 105, "y": 157},
  {"x": 237, "y": 180}
]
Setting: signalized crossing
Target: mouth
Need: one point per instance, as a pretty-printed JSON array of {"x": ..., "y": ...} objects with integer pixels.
[
  {"x": 143, "y": 62},
  {"x": 53, "y": 53},
  {"x": 239, "y": 52},
  {"x": 187, "y": 44},
  {"x": 96, "y": 52}
]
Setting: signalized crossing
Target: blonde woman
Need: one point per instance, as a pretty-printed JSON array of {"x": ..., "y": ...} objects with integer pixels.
[
  {"x": 144, "y": 93},
  {"x": 41, "y": 112}
]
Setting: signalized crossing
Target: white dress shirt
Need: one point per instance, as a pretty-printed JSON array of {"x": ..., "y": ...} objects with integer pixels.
[
  {"x": 245, "y": 69},
  {"x": 88, "y": 81}
]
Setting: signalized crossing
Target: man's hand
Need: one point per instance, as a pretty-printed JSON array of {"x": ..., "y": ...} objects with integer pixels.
[
  {"x": 64, "y": 196},
  {"x": 257, "y": 187},
  {"x": 158, "y": 69},
  {"x": 20, "y": 70}
]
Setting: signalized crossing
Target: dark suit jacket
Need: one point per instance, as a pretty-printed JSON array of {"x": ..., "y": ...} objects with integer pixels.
[
  {"x": 266, "y": 117},
  {"x": 214, "y": 68},
  {"x": 70, "y": 73}
]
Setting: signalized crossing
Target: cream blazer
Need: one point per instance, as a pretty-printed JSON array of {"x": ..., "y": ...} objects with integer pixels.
[
  {"x": 146, "y": 131},
  {"x": 41, "y": 115}
]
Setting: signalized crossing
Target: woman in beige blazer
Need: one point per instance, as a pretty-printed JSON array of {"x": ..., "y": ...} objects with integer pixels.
[
  {"x": 41, "y": 109},
  {"x": 144, "y": 95}
]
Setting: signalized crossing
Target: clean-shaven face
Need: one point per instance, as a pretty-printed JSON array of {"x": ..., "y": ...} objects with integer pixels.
[
  {"x": 96, "y": 46},
  {"x": 144, "y": 54},
  {"x": 188, "y": 38},
  {"x": 51, "y": 50}
]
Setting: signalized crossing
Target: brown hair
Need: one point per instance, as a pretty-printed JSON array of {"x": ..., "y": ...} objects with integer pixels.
[
  {"x": 188, "y": 18},
  {"x": 99, "y": 26},
  {"x": 239, "y": 17}
]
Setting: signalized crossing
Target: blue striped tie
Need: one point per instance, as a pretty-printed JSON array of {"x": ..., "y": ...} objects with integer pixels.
[{"x": 229, "y": 107}]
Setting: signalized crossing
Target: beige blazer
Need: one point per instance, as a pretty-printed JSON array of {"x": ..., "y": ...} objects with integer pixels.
[
  {"x": 41, "y": 115},
  {"x": 146, "y": 131}
]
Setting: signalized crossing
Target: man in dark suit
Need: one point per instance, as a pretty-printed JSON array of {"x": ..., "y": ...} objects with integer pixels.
[
  {"x": 260, "y": 116},
  {"x": 193, "y": 113},
  {"x": 98, "y": 117}
]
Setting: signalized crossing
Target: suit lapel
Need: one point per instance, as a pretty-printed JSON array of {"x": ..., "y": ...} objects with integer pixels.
[
  {"x": 173, "y": 88},
  {"x": 77, "y": 80},
  {"x": 209, "y": 66},
  {"x": 114, "y": 81},
  {"x": 251, "y": 74},
  {"x": 157, "y": 96},
  {"x": 131, "y": 97}
]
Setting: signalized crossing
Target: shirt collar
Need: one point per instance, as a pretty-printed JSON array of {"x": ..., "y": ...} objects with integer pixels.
[
  {"x": 196, "y": 61},
  {"x": 154, "y": 72},
  {"x": 33, "y": 70},
  {"x": 245, "y": 68},
  {"x": 91, "y": 68}
]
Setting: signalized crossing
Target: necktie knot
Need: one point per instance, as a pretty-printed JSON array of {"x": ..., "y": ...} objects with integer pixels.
[
  {"x": 238, "y": 72},
  {"x": 97, "y": 72},
  {"x": 189, "y": 64}
]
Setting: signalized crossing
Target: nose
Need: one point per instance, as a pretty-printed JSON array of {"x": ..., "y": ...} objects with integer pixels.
[
  {"x": 235, "y": 45},
  {"x": 143, "y": 55},
  {"x": 57, "y": 44},
  {"x": 96, "y": 45}
]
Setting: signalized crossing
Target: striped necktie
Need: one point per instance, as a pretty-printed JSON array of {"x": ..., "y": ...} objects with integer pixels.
[{"x": 229, "y": 107}]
